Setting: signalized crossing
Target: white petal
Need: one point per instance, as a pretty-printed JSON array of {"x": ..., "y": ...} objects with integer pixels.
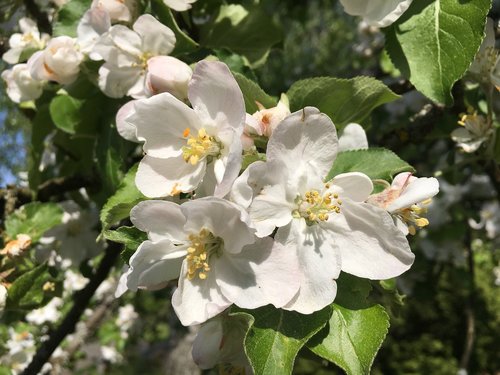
[
  {"x": 125, "y": 40},
  {"x": 216, "y": 96},
  {"x": 116, "y": 82},
  {"x": 195, "y": 301},
  {"x": 92, "y": 25},
  {"x": 319, "y": 264},
  {"x": 353, "y": 138},
  {"x": 306, "y": 137},
  {"x": 157, "y": 39},
  {"x": 206, "y": 345},
  {"x": 211, "y": 213},
  {"x": 168, "y": 74},
  {"x": 165, "y": 177},
  {"x": 380, "y": 13},
  {"x": 271, "y": 209},
  {"x": 371, "y": 246},
  {"x": 162, "y": 120},
  {"x": 354, "y": 185},
  {"x": 154, "y": 263},
  {"x": 417, "y": 191},
  {"x": 229, "y": 166},
  {"x": 249, "y": 184},
  {"x": 160, "y": 219},
  {"x": 260, "y": 275},
  {"x": 179, "y": 5},
  {"x": 126, "y": 129}
]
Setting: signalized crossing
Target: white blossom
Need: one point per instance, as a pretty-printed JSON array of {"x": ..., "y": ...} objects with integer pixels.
[
  {"x": 325, "y": 225},
  {"x": 21, "y": 86},
  {"x": 474, "y": 131},
  {"x": 264, "y": 121},
  {"x": 407, "y": 199},
  {"x": 168, "y": 74},
  {"x": 59, "y": 61},
  {"x": 485, "y": 63},
  {"x": 380, "y": 13},
  {"x": 29, "y": 39},
  {"x": 48, "y": 313},
  {"x": 117, "y": 10},
  {"x": 207, "y": 244},
  {"x": 184, "y": 144},
  {"x": 21, "y": 348},
  {"x": 94, "y": 23},
  {"x": 3, "y": 298},
  {"x": 127, "y": 52}
]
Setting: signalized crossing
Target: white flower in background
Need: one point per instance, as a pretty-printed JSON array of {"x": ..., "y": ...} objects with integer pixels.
[
  {"x": 29, "y": 39},
  {"x": 168, "y": 74},
  {"x": 21, "y": 87},
  {"x": 127, "y": 52},
  {"x": 353, "y": 138},
  {"x": 474, "y": 131},
  {"x": 3, "y": 298},
  {"x": 263, "y": 122},
  {"x": 59, "y": 61},
  {"x": 182, "y": 144},
  {"x": 94, "y": 23},
  {"x": 126, "y": 318},
  {"x": 207, "y": 244},
  {"x": 489, "y": 220},
  {"x": 21, "y": 348},
  {"x": 75, "y": 238},
  {"x": 486, "y": 58},
  {"x": 118, "y": 10},
  {"x": 380, "y": 13},
  {"x": 179, "y": 5},
  {"x": 48, "y": 313},
  {"x": 74, "y": 281},
  {"x": 326, "y": 225},
  {"x": 220, "y": 341},
  {"x": 406, "y": 200}
]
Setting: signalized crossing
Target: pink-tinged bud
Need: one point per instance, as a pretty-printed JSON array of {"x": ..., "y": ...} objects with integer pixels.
[
  {"x": 118, "y": 10},
  {"x": 168, "y": 74}
]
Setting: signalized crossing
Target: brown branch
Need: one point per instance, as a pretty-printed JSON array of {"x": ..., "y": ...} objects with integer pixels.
[
  {"x": 42, "y": 19},
  {"x": 81, "y": 301}
]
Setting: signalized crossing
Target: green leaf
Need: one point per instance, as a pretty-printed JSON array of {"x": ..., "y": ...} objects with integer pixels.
[
  {"x": 352, "y": 292},
  {"x": 119, "y": 205},
  {"x": 343, "y": 100},
  {"x": 68, "y": 17},
  {"x": 33, "y": 219},
  {"x": 250, "y": 32},
  {"x": 27, "y": 290},
  {"x": 184, "y": 43},
  {"x": 75, "y": 115},
  {"x": 131, "y": 237},
  {"x": 251, "y": 158},
  {"x": 352, "y": 338},
  {"x": 276, "y": 336},
  {"x": 253, "y": 93},
  {"x": 376, "y": 163},
  {"x": 434, "y": 43}
]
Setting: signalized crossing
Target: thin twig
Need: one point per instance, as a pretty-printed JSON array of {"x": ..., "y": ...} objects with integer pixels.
[{"x": 81, "y": 301}]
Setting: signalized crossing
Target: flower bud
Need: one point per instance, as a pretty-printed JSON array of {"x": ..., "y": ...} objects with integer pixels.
[
  {"x": 21, "y": 86},
  {"x": 59, "y": 61},
  {"x": 118, "y": 10},
  {"x": 168, "y": 74}
]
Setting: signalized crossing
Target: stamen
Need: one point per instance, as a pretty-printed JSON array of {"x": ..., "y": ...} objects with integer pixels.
[
  {"x": 203, "y": 246},
  {"x": 199, "y": 147}
]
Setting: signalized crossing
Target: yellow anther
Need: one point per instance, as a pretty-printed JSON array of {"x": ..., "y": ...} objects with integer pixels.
[
  {"x": 412, "y": 230},
  {"x": 186, "y": 132},
  {"x": 422, "y": 222},
  {"x": 203, "y": 245},
  {"x": 199, "y": 147}
]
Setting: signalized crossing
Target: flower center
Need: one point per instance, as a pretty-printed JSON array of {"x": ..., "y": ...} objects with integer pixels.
[
  {"x": 199, "y": 147},
  {"x": 203, "y": 246},
  {"x": 316, "y": 207},
  {"x": 412, "y": 216}
]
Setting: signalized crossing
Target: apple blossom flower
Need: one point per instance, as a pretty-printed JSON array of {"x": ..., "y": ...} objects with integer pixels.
[
  {"x": 21, "y": 87},
  {"x": 127, "y": 52},
  {"x": 326, "y": 225},
  {"x": 21, "y": 348},
  {"x": 94, "y": 23},
  {"x": 184, "y": 144},
  {"x": 489, "y": 220},
  {"x": 59, "y": 61},
  {"x": 264, "y": 121},
  {"x": 48, "y": 313},
  {"x": 406, "y": 200},
  {"x": 474, "y": 132},
  {"x": 353, "y": 138},
  {"x": 75, "y": 238},
  {"x": 30, "y": 39},
  {"x": 118, "y": 10},
  {"x": 179, "y": 5},
  {"x": 208, "y": 245},
  {"x": 168, "y": 74},
  {"x": 220, "y": 341},
  {"x": 485, "y": 61},
  {"x": 380, "y": 13}
]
